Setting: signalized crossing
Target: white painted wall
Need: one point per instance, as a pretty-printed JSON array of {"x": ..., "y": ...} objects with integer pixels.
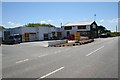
[
  {"x": 22, "y": 30},
  {"x": 41, "y": 31},
  {"x": 48, "y": 30},
  {"x": 75, "y": 29},
  {"x": 38, "y": 30},
  {"x": 16, "y": 30},
  {"x": 28, "y": 30}
]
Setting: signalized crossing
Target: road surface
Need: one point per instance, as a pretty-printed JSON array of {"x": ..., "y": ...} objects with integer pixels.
[{"x": 98, "y": 59}]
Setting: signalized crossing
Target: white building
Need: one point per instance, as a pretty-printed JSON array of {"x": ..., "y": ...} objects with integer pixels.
[
  {"x": 37, "y": 33},
  {"x": 27, "y": 33},
  {"x": 85, "y": 28},
  {"x": 45, "y": 33},
  {"x": 88, "y": 29}
]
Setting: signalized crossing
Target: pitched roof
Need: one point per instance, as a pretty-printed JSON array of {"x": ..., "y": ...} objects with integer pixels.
[{"x": 77, "y": 23}]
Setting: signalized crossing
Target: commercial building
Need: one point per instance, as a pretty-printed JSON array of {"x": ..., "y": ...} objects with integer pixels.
[
  {"x": 88, "y": 29},
  {"x": 34, "y": 33}
]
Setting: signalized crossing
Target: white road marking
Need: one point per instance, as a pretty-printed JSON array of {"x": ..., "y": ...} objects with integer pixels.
[
  {"x": 60, "y": 51},
  {"x": 57, "y": 52},
  {"x": 22, "y": 61},
  {"x": 43, "y": 55},
  {"x": 52, "y": 72},
  {"x": 95, "y": 51}
]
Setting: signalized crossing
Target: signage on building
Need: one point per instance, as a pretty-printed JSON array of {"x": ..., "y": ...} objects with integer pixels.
[{"x": 77, "y": 35}]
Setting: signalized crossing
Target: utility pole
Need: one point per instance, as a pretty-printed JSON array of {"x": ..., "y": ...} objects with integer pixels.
[
  {"x": 116, "y": 28},
  {"x": 61, "y": 24}
]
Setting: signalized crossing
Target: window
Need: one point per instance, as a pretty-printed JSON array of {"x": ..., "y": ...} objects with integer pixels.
[
  {"x": 81, "y": 27},
  {"x": 67, "y": 27},
  {"x": 46, "y": 36},
  {"x": 94, "y": 26},
  {"x": 53, "y": 33},
  {"x": 68, "y": 33},
  {"x": 84, "y": 33}
]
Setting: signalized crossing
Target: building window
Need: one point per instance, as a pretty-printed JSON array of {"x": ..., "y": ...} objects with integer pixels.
[
  {"x": 84, "y": 33},
  {"x": 45, "y": 36},
  {"x": 68, "y": 33},
  {"x": 81, "y": 27},
  {"x": 67, "y": 27},
  {"x": 53, "y": 34},
  {"x": 94, "y": 26}
]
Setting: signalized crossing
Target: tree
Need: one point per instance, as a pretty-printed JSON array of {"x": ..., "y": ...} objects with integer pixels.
[
  {"x": 114, "y": 34},
  {"x": 1, "y": 27},
  {"x": 101, "y": 29},
  {"x": 38, "y": 25}
]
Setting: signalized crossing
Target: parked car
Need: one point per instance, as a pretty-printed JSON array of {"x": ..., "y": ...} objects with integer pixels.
[
  {"x": 14, "y": 39},
  {"x": 103, "y": 35},
  {"x": 71, "y": 37}
]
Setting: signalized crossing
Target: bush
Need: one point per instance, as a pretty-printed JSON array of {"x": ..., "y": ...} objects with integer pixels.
[
  {"x": 38, "y": 25},
  {"x": 114, "y": 34}
]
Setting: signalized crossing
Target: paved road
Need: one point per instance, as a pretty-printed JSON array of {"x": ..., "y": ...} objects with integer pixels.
[{"x": 94, "y": 60}]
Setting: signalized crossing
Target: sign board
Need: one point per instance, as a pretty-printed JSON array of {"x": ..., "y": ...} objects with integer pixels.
[{"x": 77, "y": 35}]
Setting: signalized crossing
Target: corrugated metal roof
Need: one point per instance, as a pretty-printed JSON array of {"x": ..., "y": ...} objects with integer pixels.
[{"x": 77, "y": 23}]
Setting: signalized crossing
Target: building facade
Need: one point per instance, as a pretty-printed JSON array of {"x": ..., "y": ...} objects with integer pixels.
[
  {"x": 88, "y": 29},
  {"x": 34, "y": 33}
]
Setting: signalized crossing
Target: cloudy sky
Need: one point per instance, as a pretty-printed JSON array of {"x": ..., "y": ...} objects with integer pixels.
[{"x": 15, "y": 14}]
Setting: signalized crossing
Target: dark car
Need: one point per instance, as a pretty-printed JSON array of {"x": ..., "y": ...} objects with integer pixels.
[
  {"x": 104, "y": 35},
  {"x": 13, "y": 39}
]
